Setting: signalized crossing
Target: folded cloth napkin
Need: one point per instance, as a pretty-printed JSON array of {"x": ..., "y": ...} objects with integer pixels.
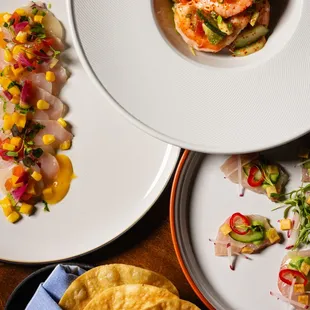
[{"x": 50, "y": 292}]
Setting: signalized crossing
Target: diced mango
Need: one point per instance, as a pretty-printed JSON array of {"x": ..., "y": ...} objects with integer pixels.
[
  {"x": 19, "y": 119},
  {"x": 6, "y": 17},
  {"x": 8, "y": 147},
  {"x": 14, "y": 217},
  {"x": 8, "y": 55},
  {"x": 8, "y": 122},
  {"x": 21, "y": 37},
  {"x": 7, "y": 210},
  {"x": 17, "y": 141},
  {"x": 47, "y": 193},
  {"x": 272, "y": 235},
  {"x": 18, "y": 49},
  {"x": 20, "y": 12},
  {"x": 38, "y": 19},
  {"x": 15, "y": 99},
  {"x": 271, "y": 190},
  {"x": 305, "y": 268},
  {"x": 303, "y": 299},
  {"x": 15, "y": 91},
  {"x": 247, "y": 250},
  {"x": 5, "y": 82},
  {"x": 18, "y": 71},
  {"x": 50, "y": 76},
  {"x": 286, "y": 224},
  {"x": 6, "y": 202},
  {"x": 225, "y": 229},
  {"x": 15, "y": 182},
  {"x": 299, "y": 288},
  {"x": 26, "y": 208},
  {"x": 36, "y": 176}
]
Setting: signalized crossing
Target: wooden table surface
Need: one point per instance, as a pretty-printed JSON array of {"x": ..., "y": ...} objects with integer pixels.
[{"x": 148, "y": 244}]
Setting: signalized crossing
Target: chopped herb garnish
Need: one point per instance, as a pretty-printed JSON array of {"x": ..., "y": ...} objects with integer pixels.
[
  {"x": 37, "y": 28},
  {"x": 23, "y": 19},
  {"x": 37, "y": 153},
  {"x": 40, "y": 61},
  {"x": 43, "y": 13},
  {"x": 41, "y": 35},
  {"x": 46, "y": 208},
  {"x": 30, "y": 68},
  {"x": 34, "y": 11},
  {"x": 12, "y": 84},
  {"x": 12, "y": 21},
  {"x": 49, "y": 6},
  {"x": 6, "y": 25},
  {"x": 12, "y": 154},
  {"x": 15, "y": 131},
  {"x": 4, "y": 104},
  {"x": 55, "y": 53},
  {"x": 22, "y": 110},
  {"x": 33, "y": 130},
  {"x": 28, "y": 162}
]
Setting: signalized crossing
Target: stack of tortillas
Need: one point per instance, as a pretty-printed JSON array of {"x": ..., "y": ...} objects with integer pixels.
[{"x": 122, "y": 287}]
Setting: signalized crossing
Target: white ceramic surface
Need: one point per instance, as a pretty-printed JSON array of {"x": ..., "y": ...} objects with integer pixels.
[
  {"x": 209, "y": 202},
  {"x": 210, "y": 103},
  {"x": 121, "y": 172}
]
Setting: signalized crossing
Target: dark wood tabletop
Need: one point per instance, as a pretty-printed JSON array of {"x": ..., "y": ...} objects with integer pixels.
[{"x": 148, "y": 244}]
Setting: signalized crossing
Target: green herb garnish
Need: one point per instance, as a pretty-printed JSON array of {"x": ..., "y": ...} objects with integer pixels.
[
  {"x": 12, "y": 154},
  {"x": 55, "y": 53},
  {"x": 46, "y": 208},
  {"x": 23, "y": 110},
  {"x": 28, "y": 162},
  {"x": 6, "y": 25},
  {"x": 34, "y": 11},
  {"x": 15, "y": 131},
  {"x": 23, "y": 19},
  {"x": 37, "y": 153}
]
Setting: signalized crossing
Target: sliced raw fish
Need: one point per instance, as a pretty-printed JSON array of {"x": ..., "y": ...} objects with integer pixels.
[
  {"x": 49, "y": 168},
  {"x": 54, "y": 128},
  {"x": 236, "y": 246}
]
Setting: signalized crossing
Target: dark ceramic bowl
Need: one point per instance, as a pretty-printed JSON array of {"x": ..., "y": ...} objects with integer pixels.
[{"x": 26, "y": 289}]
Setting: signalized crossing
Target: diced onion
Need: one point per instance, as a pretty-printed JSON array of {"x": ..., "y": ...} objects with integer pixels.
[{"x": 292, "y": 302}]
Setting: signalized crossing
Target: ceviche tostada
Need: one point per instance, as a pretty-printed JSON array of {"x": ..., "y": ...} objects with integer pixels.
[
  {"x": 212, "y": 25},
  {"x": 32, "y": 124}
]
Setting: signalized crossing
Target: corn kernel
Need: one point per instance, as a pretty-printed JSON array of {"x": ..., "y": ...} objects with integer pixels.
[
  {"x": 303, "y": 299},
  {"x": 38, "y": 19},
  {"x": 13, "y": 217},
  {"x": 21, "y": 37},
  {"x": 15, "y": 117},
  {"x": 15, "y": 99},
  {"x": 18, "y": 49},
  {"x": 247, "y": 250},
  {"x": 42, "y": 105},
  {"x": 62, "y": 122},
  {"x": 7, "y": 210},
  {"x": 21, "y": 122},
  {"x": 65, "y": 145},
  {"x": 8, "y": 147},
  {"x": 17, "y": 141},
  {"x": 5, "y": 82},
  {"x": 225, "y": 229},
  {"x": 8, "y": 55},
  {"x": 18, "y": 71},
  {"x": 48, "y": 139},
  {"x": 6, "y": 202},
  {"x": 286, "y": 224},
  {"x": 25, "y": 208},
  {"x": 15, "y": 180},
  {"x": 305, "y": 268},
  {"x": 6, "y": 17},
  {"x": 299, "y": 288},
  {"x": 50, "y": 76},
  {"x": 271, "y": 190},
  {"x": 15, "y": 91},
  {"x": 36, "y": 175}
]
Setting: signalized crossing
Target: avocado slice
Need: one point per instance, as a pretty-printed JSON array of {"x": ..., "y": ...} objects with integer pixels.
[
  {"x": 249, "y": 237},
  {"x": 249, "y": 36},
  {"x": 246, "y": 169},
  {"x": 213, "y": 37},
  {"x": 225, "y": 27},
  {"x": 273, "y": 173}
]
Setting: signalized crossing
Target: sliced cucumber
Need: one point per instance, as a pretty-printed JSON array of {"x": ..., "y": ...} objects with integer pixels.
[
  {"x": 307, "y": 165},
  {"x": 249, "y": 36},
  {"x": 213, "y": 37},
  {"x": 251, "y": 49},
  {"x": 274, "y": 177},
  {"x": 249, "y": 237}
]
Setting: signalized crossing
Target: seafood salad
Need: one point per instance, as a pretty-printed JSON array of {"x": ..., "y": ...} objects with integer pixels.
[
  {"x": 212, "y": 25},
  {"x": 32, "y": 124}
]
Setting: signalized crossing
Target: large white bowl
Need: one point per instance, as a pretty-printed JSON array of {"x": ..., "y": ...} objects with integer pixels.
[{"x": 210, "y": 103}]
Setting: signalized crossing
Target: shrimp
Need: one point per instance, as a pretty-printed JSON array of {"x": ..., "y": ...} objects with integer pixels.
[
  {"x": 227, "y": 8},
  {"x": 189, "y": 26},
  {"x": 263, "y": 8}
]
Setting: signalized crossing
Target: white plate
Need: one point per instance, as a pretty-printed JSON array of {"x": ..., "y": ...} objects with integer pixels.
[
  {"x": 201, "y": 201},
  {"x": 121, "y": 172},
  {"x": 209, "y": 103}
]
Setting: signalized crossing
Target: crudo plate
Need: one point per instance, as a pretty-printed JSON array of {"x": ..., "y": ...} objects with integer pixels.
[
  {"x": 208, "y": 103},
  {"x": 120, "y": 171},
  {"x": 201, "y": 200}
]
